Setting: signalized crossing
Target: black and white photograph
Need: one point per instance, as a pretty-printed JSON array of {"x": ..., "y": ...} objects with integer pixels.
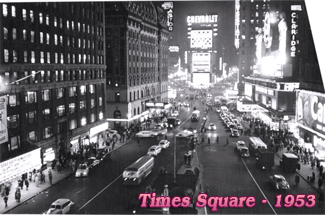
[{"x": 162, "y": 107}]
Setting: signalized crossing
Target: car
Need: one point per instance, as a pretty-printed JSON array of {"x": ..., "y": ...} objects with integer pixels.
[
  {"x": 186, "y": 104},
  {"x": 175, "y": 113},
  {"x": 279, "y": 182},
  {"x": 164, "y": 144},
  {"x": 159, "y": 130},
  {"x": 145, "y": 134},
  {"x": 184, "y": 133},
  {"x": 244, "y": 152},
  {"x": 92, "y": 161},
  {"x": 212, "y": 127},
  {"x": 154, "y": 150},
  {"x": 240, "y": 144},
  {"x": 60, "y": 206},
  {"x": 82, "y": 170},
  {"x": 103, "y": 153},
  {"x": 234, "y": 133},
  {"x": 239, "y": 126}
]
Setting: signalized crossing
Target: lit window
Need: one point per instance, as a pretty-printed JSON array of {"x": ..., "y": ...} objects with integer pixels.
[
  {"x": 32, "y": 36},
  {"x": 73, "y": 124},
  {"x": 24, "y": 34},
  {"x": 68, "y": 24},
  {"x": 5, "y": 33},
  {"x": 61, "y": 59},
  {"x": 31, "y": 116},
  {"x": 82, "y": 90},
  {"x": 40, "y": 18},
  {"x": 82, "y": 105},
  {"x": 55, "y": 22},
  {"x": 83, "y": 121},
  {"x": 47, "y": 38},
  {"x": 32, "y": 136},
  {"x": 24, "y": 12},
  {"x": 100, "y": 115},
  {"x": 92, "y": 103},
  {"x": 60, "y": 110},
  {"x": 91, "y": 89},
  {"x": 13, "y": 101},
  {"x": 41, "y": 37},
  {"x": 6, "y": 55},
  {"x": 72, "y": 108},
  {"x": 14, "y": 33},
  {"x": 55, "y": 39},
  {"x": 4, "y": 10},
  {"x": 14, "y": 56},
  {"x": 92, "y": 118},
  {"x": 72, "y": 91},
  {"x": 31, "y": 15},
  {"x": 13, "y": 11},
  {"x": 61, "y": 40},
  {"x": 48, "y": 132},
  {"x": 32, "y": 57},
  {"x": 42, "y": 57},
  {"x": 46, "y": 96},
  {"x": 60, "y": 92},
  {"x": 47, "y": 19},
  {"x": 48, "y": 57},
  {"x": 25, "y": 56}
]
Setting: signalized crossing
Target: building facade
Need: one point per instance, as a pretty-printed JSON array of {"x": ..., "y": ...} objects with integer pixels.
[
  {"x": 136, "y": 57},
  {"x": 52, "y": 67}
]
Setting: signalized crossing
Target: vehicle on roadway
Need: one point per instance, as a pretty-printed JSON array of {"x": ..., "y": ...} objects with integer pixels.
[
  {"x": 195, "y": 117},
  {"x": 234, "y": 133},
  {"x": 92, "y": 161},
  {"x": 82, "y": 170},
  {"x": 60, "y": 206},
  {"x": 159, "y": 130},
  {"x": 145, "y": 134},
  {"x": 279, "y": 182},
  {"x": 164, "y": 144},
  {"x": 212, "y": 127},
  {"x": 254, "y": 144},
  {"x": 240, "y": 144},
  {"x": 175, "y": 113},
  {"x": 185, "y": 133},
  {"x": 103, "y": 153},
  {"x": 154, "y": 150},
  {"x": 244, "y": 152},
  {"x": 138, "y": 171}
]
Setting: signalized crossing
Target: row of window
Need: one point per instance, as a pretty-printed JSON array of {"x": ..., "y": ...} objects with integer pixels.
[
  {"x": 31, "y": 96},
  {"x": 12, "y": 56},
  {"x": 46, "y": 38},
  {"x": 45, "y": 19},
  {"x": 34, "y": 77}
]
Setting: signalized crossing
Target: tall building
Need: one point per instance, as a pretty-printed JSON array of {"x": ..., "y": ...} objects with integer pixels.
[
  {"x": 52, "y": 74},
  {"x": 136, "y": 57},
  {"x": 202, "y": 58}
]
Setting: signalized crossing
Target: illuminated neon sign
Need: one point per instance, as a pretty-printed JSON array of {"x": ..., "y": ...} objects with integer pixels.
[{"x": 202, "y": 19}]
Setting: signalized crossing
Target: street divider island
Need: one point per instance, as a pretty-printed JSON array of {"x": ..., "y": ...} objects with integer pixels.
[{"x": 153, "y": 201}]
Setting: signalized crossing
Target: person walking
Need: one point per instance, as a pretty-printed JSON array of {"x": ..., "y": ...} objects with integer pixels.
[
  {"x": 217, "y": 139},
  {"x": 297, "y": 179},
  {"x": 320, "y": 183},
  {"x": 50, "y": 176},
  {"x": 5, "y": 199},
  {"x": 138, "y": 141},
  {"x": 26, "y": 184}
]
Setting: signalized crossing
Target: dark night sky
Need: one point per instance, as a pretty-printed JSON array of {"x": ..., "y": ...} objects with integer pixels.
[{"x": 226, "y": 21}]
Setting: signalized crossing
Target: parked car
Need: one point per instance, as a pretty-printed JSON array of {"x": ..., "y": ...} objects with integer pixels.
[
  {"x": 82, "y": 170},
  {"x": 60, "y": 206},
  {"x": 103, "y": 153},
  {"x": 92, "y": 161},
  {"x": 234, "y": 133},
  {"x": 154, "y": 150},
  {"x": 175, "y": 113},
  {"x": 279, "y": 182},
  {"x": 164, "y": 144},
  {"x": 159, "y": 130},
  {"x": 184, "y": 133},
  {"x": 212, "y": 127},
  {"x": 145, "y": 134}
]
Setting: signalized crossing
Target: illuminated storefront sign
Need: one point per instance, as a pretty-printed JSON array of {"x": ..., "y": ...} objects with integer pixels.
[
  {"x": 311, "y": 110},
  {"x": 19, "y": 165},
  {"x": 294, "y": 29},
  {"x": 265, "y": 90},
  {"x": 3, "y": 120},
  {"x": 98, "y": 128},
  {"x": 202, "y": 19}
]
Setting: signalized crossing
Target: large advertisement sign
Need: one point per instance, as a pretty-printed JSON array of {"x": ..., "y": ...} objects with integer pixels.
[
  {"x": 201, "y": 79},
  {"x": 19, "y": 165},
  {"x": 277, "y": 42},
  {"x": 310, "y": 110},
  {"x": 3, "y": 120},
  {"x": 169, "y": 7},
  {"x": 201, "y": 62},
  {"x": 201, "y": 39}
]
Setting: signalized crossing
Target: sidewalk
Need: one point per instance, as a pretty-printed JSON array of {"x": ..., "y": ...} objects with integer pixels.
[
  {"x": 34, "y": 190},
  {"x": 305, "y": 169}
]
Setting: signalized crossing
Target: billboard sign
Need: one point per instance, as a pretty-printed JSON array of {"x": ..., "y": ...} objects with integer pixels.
[
  {"x": 310, "y": 110},
  {"x": 201, "y": 39},
  {"x": 202, "y": 19},
  {"x": 201, "y": 62},
  {"x": 169, "y": 7},
  {"x": 3, "y": 120}
]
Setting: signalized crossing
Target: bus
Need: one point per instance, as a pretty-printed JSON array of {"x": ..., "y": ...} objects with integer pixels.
[
  {"x": 195, "y": 116},
  {"x": 254, "y": 144},
  {"x": 138, "y": 171}
]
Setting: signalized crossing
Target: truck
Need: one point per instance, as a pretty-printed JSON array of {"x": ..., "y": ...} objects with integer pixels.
[
  {"x": 264, "y": 158},
  {"x": 289, "y": 162},
  {"x": 172, "y": 122},
  {"x": 195, "y": 116}
]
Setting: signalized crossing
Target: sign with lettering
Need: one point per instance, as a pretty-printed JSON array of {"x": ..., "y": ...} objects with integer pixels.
[
  {"x": 310, "y": 110},
  {"x": 202, "y": 19},
  {"x": 3, "y": 120},
  {"x": 19, "y": 165},
  {"x": 294, "y": 29},
  {"x": 169, "y": 7}
]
